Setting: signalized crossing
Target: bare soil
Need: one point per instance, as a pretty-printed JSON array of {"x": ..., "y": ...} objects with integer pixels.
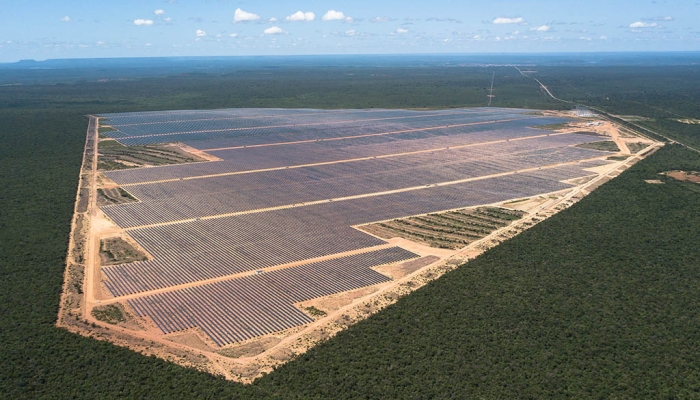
[
  {"x": 114, "y": 155},
  {"x": 116, "y": 250},
  {"x": 113, "y": 195},
  {"x": 398, "y": 271},
  {"x": 191, "y": 339},
  {"x": 620, "y": 135},
  {"x": 449, "y": 230},
  {"x": 684, "y": 176}
]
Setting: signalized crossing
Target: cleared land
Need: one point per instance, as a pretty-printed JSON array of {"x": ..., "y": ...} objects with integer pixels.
[
  {"x": 690, "y": 176},
  {"x": 274, "y": 226},
  {"x": 602, "y": 146},
  {"x": 116, "y": 250},
  {"x": 449, "y": 230},
  {"x": 114, "y": 155}
]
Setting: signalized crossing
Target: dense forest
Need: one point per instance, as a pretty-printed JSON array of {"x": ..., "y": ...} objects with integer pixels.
[
  {"x": 598, "y": 301},
  {"x": 664, "y": 96}
]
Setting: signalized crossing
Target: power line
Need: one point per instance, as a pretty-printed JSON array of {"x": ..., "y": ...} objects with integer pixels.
[{"x": 490, "y": 95}]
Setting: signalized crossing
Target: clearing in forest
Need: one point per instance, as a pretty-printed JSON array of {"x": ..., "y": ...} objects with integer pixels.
[{"x": 231, "y": 240}]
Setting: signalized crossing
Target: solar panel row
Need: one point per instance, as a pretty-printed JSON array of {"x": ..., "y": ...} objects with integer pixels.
[
  {"x": 320, "y": 122},
  {"x": 238, "y": 309},
  {"x": 223, "y": 195},
  {"x": 316, "y": 126},
  {"x": 205, "y": 249},
  {"x": 155, "y": 117},
  {"x": 244, "y": 159}
]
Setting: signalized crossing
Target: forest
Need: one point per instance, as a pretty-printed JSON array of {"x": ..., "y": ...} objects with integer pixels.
[{"x": 598, "y": 301}]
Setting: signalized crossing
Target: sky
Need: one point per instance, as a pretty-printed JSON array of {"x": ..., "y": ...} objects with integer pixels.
[{"x": 32, "y": 29}]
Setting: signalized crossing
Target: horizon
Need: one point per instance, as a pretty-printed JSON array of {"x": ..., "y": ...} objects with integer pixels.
[
  {"x": 552, "y": 54},
  {"x": 85, "y": 30}
]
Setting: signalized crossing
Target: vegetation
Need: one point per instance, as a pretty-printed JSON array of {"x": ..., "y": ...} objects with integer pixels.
[
  {"x": 107, "y": 196},
  {"x": 598, "y": 301},
  {"x": 315, "y": 312},
  {"x": 662, "y": 97},
  {"x": 688, "y": 134},
  {"x": 116, "y": 250},
  {"x": 450, "y": 230},
  {"x": 114, "y": 155},
  {"x": 607, "y": 145},
  {"x": 553, "y": 127},
  {"x": 636, "y": 147},
  {"x": 110, "y": 314},
  {"x": 102, "y": 129},
  {"x": 689, "y": 176}
]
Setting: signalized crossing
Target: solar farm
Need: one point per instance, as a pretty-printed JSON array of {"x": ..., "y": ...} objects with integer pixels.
[{"x": 274, "y": 208}]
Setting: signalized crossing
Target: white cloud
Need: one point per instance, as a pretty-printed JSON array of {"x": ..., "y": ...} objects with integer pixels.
[
  {"x": 168, "y": 19},
  {"x": 640, "y": 24},
  {"x": 401, "y": 30},
  {"x": 234, "y": 35},
  {"x": 603, "y": 37},
  {"x": 65, "y": 19},
  {"x": 143, "y": 22},
  {"x": 503, "y": 20},
  {"x": 200, "y": 33},
  {"x": 242, "y": 16},
  {"x": 301, "y": 16},
  {"x": 333, "y": 15},
  {"x": 159, "y": 12},
  {"x": 350, "y": 32},
  {"x": 543, "y": 28},
  {"x": 273, "y": 19},
  {"x": 379, "y": 19},
  {"x": 273, "y": 30},
  {"x": 663, "y": 19}
]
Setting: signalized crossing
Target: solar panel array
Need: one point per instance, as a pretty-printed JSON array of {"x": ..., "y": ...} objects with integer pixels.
[
  {"x": 238, "y": 309},
  {"x": 288, "y": 154},
  {"x": 289, "y": 188},
  {"x": 178, "y": 200}
]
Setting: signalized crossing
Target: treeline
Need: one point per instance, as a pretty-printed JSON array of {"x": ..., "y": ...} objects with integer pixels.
[{"x": 653, "y": 92}]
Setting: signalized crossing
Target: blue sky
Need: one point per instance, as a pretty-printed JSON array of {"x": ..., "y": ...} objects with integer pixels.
[{"x": 32, "y": 29}]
